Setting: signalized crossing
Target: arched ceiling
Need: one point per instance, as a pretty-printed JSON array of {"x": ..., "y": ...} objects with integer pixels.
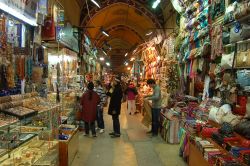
[{"x": 126, "y": 21}]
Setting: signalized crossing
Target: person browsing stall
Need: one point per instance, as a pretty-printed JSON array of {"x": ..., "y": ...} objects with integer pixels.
[
  {"x": 89, "y": 102},
  {"x": 114, "y": 109},
  {"x": 156, "y": 105}
]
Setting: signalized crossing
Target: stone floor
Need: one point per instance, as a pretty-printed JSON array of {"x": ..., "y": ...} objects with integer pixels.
[{"x": 133, "y": 148}]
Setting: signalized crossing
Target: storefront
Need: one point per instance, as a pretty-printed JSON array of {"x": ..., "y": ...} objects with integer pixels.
[{"x": 203, "y": 71}]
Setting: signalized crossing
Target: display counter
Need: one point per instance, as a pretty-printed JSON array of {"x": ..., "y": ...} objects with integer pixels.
[{"x": 68, "y": 148}]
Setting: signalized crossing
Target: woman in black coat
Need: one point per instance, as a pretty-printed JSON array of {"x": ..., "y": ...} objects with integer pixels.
[{"x": 115, "y": 107}]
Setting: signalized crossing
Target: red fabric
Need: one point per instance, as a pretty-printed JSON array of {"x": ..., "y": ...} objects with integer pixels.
[
  {"x": 89, "y": 107},
  {"x": 131, "y": 95},
  {"x": 49, "y": 29}
]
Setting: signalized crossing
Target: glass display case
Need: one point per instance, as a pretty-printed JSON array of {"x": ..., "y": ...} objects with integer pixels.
[{"x": 29, "y": 130}]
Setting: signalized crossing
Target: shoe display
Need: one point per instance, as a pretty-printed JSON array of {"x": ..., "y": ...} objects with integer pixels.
[{"x": 101, "y": 131}]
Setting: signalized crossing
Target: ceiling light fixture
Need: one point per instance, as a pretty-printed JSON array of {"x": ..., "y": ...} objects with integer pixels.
[
  {"x": 128, "y": 68},
  {"x": 101, "y": 59},
  {"x": 126, "y": 54},
  {"x": 132, "y": 59},
  {"x": 104, "y": 52},
  {"x": 156, "y": 3},
  {"x": 148, "y": 34},
  {"x": 104, "y": 32},
  {"x": 94, "y": 2},
  {"x": 107, "y": 63},
  {"x": 126, "y": 63}
]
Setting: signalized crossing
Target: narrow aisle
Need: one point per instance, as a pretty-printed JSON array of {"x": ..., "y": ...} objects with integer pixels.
[{"x": 133, "y": 148}]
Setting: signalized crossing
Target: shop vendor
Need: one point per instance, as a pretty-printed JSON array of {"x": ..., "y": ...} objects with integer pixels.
[{"x": 156, "y": 105}]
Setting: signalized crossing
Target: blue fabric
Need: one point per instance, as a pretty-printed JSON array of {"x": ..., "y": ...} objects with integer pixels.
[
  {"x": 155, "y": 120},
  {"x": 100, "y": 121},
  {"x": 243, "y": 77}
]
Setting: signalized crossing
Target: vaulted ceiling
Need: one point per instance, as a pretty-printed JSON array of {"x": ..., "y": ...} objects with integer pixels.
[{"x": 126, "y": 21}]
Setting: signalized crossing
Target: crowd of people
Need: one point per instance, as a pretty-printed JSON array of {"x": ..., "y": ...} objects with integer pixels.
[{"x": 96, "y": 96}]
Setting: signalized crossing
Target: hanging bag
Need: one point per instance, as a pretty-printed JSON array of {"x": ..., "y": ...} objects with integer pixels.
[
  {"x": 243, "y": 77},
  {"x": 243, "y": 57},
  {"x": 227, "y": 60}
]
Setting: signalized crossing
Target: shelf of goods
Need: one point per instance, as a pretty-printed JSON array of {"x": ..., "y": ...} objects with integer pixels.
[
  {"x": 68, "y": 102},
  {"x": 204, "y": 142},
  {"x": 28, "y": 132},
  {"x": 68, "y": 147}
]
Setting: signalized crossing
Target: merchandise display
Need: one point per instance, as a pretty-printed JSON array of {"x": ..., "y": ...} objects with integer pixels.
[
  {"x": 28, "y": 116},
  {"x": 33, "y": 152},
  {"x": 6, "y": 120},
  {"x": 202, "y": 68}
]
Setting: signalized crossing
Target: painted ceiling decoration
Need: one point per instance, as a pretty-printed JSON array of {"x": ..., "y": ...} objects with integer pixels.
[
  {"x": 126, "y": 22},
  {"x": 133, "y": 36},
  {"x": 137, "y": 4}
]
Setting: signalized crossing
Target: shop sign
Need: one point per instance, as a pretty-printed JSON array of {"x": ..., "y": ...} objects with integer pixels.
[
  {"x": 66, "y": 36},
  {"x": 27, "y": 8}
]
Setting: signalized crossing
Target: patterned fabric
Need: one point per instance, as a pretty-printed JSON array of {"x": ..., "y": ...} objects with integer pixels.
[
  {"x": 216, "y": 40},
  {"x": 99, "y": 90}
]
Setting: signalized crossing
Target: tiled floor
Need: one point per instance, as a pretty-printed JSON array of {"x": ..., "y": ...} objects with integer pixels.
[{"x": 133, "y": 148}]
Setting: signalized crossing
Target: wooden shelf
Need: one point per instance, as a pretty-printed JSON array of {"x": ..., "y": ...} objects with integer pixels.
[
  {"x": 68, "y": 149},
  {"x": 195, "y": 157},
  {"x": 239, "y": 20}
]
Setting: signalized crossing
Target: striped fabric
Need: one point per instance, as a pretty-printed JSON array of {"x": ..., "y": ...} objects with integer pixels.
[{"x": 99, "y": 90}]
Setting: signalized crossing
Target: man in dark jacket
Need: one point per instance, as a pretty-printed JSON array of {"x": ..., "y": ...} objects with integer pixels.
[{"x": 115, "y": 106}]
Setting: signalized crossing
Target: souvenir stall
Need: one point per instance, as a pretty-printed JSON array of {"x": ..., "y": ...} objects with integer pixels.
[
  {"x": 28, "y": 122},
  {"x": 151, "y": 62},
  {"x": 149, "y": 58},
  {"x": 15, "y": 52},
  {"x": 63, "y": 82},
  {"x": 211, "y": 49}
]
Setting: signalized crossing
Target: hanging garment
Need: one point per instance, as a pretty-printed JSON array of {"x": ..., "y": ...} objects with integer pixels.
[
  {"x": 216, "y": 40},
  {"x": 20, "y": 63},
  {"x": 10, "y": 76},
  {"x": 3, "y": 77}
]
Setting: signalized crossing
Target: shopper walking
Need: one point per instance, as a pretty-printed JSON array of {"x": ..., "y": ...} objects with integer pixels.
[
  {"x": 89, "y": 102},
  {"x": 115, "y": 106},
  {"x": 131, "y": 93},
  {"x": 99, "y": 90},
  {"x": 156, "y": 105}
]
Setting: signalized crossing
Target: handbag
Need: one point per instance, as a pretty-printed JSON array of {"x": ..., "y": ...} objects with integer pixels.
[
  {"x": 243, "y": 59},
  {"x": 248, "y": 108},
  {"x": 225, "y": 37},
  {"x": 208, "y": 132},
  {"x": 213, "y": 114},
  {"x": 227, "y": 60},
  {"x": 243, "y": 129},
  {"x": 239, "y": 32},
  {"x": 231, "y": 119},
  {"x": 245, "y": 30},
  {"x": 243, "y": 77},
  {"x": 242, "y": 9},
  {"x": 48, "y": 30},
  {"x": 226, "y": 129}
]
